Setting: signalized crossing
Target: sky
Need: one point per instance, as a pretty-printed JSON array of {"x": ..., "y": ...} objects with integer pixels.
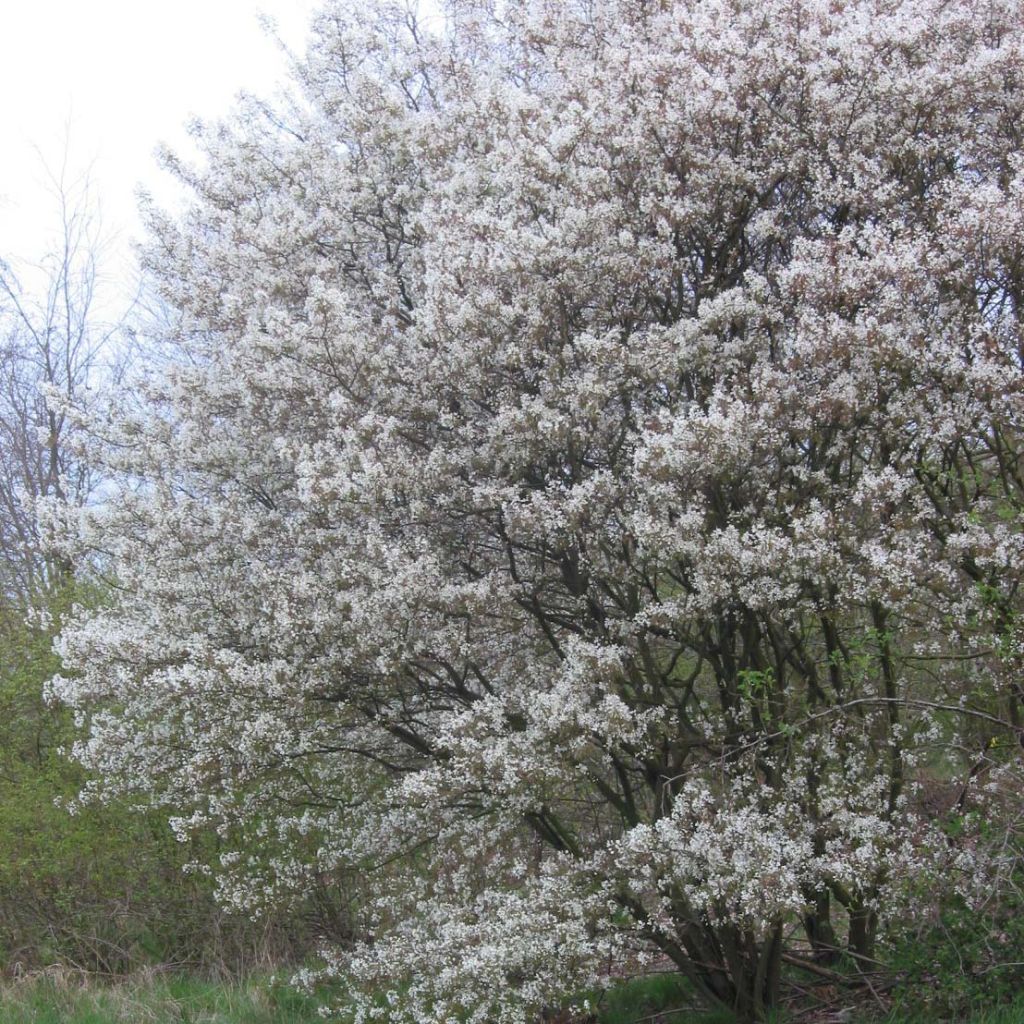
[{"x": 107, "y": 81}]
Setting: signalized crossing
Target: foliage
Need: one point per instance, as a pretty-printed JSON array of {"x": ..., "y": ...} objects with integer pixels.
[
  {"x": 584, "y": 492},
  {"x": 964, "y": 960}
]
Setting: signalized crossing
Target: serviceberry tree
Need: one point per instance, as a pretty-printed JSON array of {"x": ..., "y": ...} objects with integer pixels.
[{"x": 587, "y": 489}]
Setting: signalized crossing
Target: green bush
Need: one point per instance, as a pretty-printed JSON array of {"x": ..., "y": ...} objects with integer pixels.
[
  {"x": 102, "y": 888},
  {"x": 965, "y": 960}
]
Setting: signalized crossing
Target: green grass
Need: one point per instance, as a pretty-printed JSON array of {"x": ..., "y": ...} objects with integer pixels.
[
  {"x": 68, "y": 998},
  {"x": 1011, "y": 1013},
  {"x": 170, "y": 999},
  {"x": 176, "y": 999},
  {"x": 655, "y": 999}
]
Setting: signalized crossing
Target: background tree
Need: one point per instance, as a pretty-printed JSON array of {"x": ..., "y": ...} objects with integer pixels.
[
  {"x": 56, "y": 343},
  {"x": 588, "y": 490}
]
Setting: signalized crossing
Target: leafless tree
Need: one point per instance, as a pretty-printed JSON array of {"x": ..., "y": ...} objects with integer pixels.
[{"x": 55, "y": 341}]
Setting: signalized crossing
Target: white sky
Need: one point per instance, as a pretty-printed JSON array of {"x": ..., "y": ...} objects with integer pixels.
[{"x": 124, "y": 75}]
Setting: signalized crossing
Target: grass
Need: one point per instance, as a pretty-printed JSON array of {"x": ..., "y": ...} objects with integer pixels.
[
  {"x": 655, "y": 999},
  {"x": 1012, "y": 1013},
  {"x": 68, "y": 998},
  {"x": 65, "y": 998}
]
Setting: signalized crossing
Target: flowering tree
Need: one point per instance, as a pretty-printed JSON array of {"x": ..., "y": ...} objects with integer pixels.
[{"x": 588, "y": 491}]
